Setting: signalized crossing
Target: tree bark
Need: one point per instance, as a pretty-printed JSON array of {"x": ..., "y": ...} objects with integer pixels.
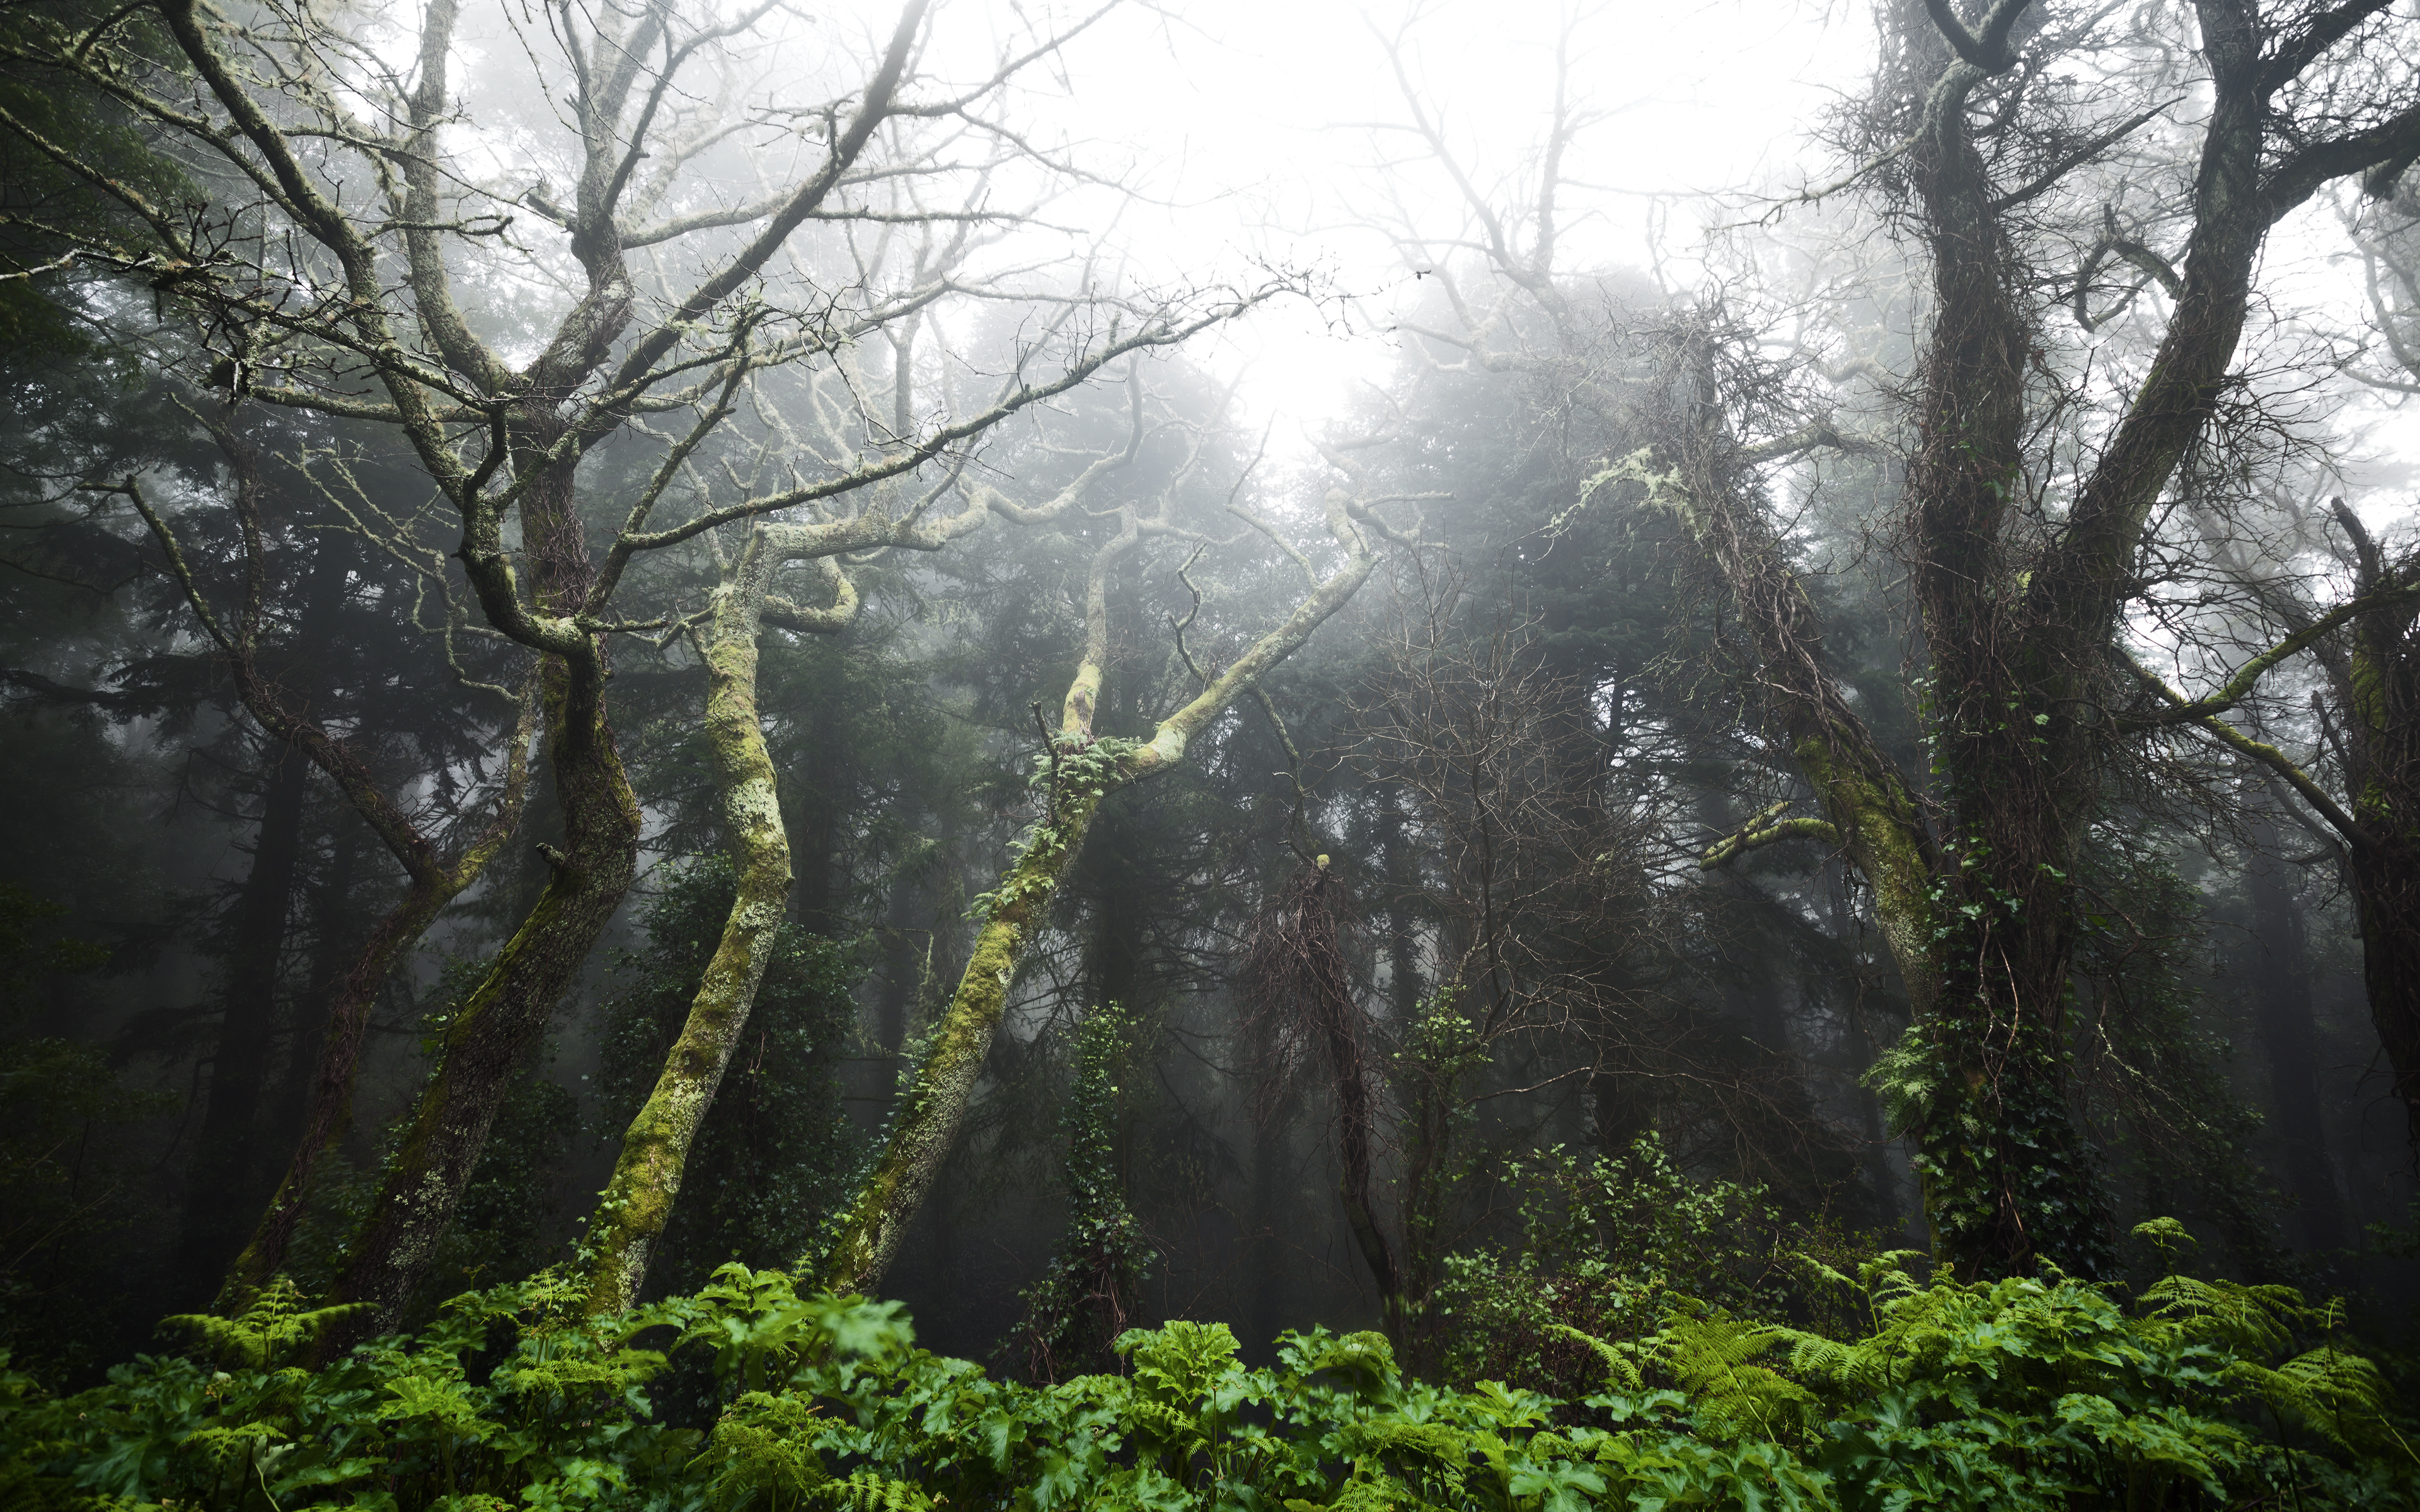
[
  {"x": 1083, "y": 771},
  {"x": 2281, "y": 985},
  {"x": 222, "y": 1180},
  {"x": 492, "y": 1037},
  {"x": 925, "y": 1121},
  {"x": 331, "y": 1084},
  {"x": 638, "y": 1200}
]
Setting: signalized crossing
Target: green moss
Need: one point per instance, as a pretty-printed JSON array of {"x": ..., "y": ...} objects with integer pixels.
[
  {"x": 926, "y": 1117},
  {"x": 1878, "y": 829}
]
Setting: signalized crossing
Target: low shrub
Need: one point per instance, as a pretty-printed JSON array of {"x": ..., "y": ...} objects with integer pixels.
[{"x": 2019, "y": 1394}]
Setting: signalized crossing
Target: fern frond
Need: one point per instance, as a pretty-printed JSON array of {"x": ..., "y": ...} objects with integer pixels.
[
  {"x": 866, "y": 1492},
  {"x": 273, "y": 1325},
  {"x": 2248, "y": 1320},
  {"x": 1710, "y": 1356},
  {"x": 1621, "y": 1374},
  {"x": 2337, "y": 1396},
  {"x": 1860, "y": 1368}
]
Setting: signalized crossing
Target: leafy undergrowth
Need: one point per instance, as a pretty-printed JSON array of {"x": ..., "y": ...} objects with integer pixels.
[{"x": 2014, "y": 1395}]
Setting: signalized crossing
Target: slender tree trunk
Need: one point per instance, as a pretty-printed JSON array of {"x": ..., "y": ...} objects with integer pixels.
[
  {"x": 638, "y": 1200},
  {"x": 335, "y": 946},
  {"x": 222, "y": 1177},
  {"x": 2386, "y": 892},
  {"x": 925, "y": 1122},
  {"x": 491, "y": 1037},
  {"x": 331, "y": 1084},
  {"x": 1082, "y": 771},
  {"x": 228, "y": 1155},
  {"x": 434, "y": 879},
  {"x": 1357, "y": 1125},
  {"x": 901, "y": 969},
  {"x": 2281, "y": 985}
]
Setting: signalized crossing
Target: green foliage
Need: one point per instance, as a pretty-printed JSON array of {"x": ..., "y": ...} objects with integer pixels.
[
  {"x": 1094, "y": 1282},
  {"x": 1070, "y": 779},
  {"x": 776, "y": 1139},
  {"x": 1607, "y": 1247},
  {"x": 272, "y": 1330},
  {"x": 2017, "y": 1394},
  {"x": 46, "y": 208},
  {"x": 1982, "y": 1087}
]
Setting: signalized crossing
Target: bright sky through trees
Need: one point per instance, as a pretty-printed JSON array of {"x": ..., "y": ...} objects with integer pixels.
[{"x": 1259, "y": 129}]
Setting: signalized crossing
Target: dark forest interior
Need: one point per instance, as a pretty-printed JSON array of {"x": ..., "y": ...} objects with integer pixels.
[{"x": 706, "y": 810}]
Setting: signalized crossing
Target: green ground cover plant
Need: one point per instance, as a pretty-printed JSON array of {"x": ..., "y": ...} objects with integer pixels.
[{"x": 2041, "y": 1391}]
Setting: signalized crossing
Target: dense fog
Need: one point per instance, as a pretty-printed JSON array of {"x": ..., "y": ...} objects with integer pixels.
[{"x": 1442, "y": 674}]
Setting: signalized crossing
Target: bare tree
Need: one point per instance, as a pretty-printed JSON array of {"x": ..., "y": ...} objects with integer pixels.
[
  {"x": 360, "y": 205},
  {"x": 2031, "y": 500},
  {"x": 1080, "y": 769}
]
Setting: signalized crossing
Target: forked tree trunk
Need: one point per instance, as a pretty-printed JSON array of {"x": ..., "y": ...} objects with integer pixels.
[
  {"x": 493, "y": 1034},
  {"x": 925, "y": 1120}
]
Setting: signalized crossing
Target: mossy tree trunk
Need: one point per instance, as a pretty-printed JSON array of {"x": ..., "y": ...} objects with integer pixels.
[
  {"x": 2019, "y": 644},
  {"x": 490, "y": 1040},
  {"x": 349, "y": 1003},
  {"x": 2020, "y": 648},
  {"x": 638, "y": 1200},
  {"x": 1870, "y": 809},
  {"x": 1083, "y": 770},
  {"x": 2379, "y": 691}
]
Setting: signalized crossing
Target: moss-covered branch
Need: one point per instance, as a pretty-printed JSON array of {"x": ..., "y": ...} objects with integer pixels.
[
  {"x": 638, "y": 1200},
  {"x": 867, "y": 1236},
  {"x": 1767, "y": 828}
]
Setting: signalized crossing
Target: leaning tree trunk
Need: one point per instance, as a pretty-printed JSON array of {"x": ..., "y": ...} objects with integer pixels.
[
  {"x": 925, "y": 1122},
  {"x": 638, "y": 1200},
  {"x": 492, "y": 1035},
  {"x": 490, "y": 1038},
  {"x": 1082, "y": 772},
  {"x": 332, "y": 1082}
]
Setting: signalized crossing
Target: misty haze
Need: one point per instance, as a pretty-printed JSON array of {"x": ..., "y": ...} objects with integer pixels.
[{"x": 1145, "y": 756}]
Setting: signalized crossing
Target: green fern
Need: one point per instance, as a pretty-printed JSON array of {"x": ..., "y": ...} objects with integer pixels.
[
  {"x": 270, "y": 1330},
  {"x": 866, "y": 1492},
  {"x": 1711, "y": 1357},
  {"x": 2246, "y": 1319},
  {"x": 2339, "y": 1396},
  {"x": 762, "y": 1455},
  {"x": 1620, "y": 1375}
]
